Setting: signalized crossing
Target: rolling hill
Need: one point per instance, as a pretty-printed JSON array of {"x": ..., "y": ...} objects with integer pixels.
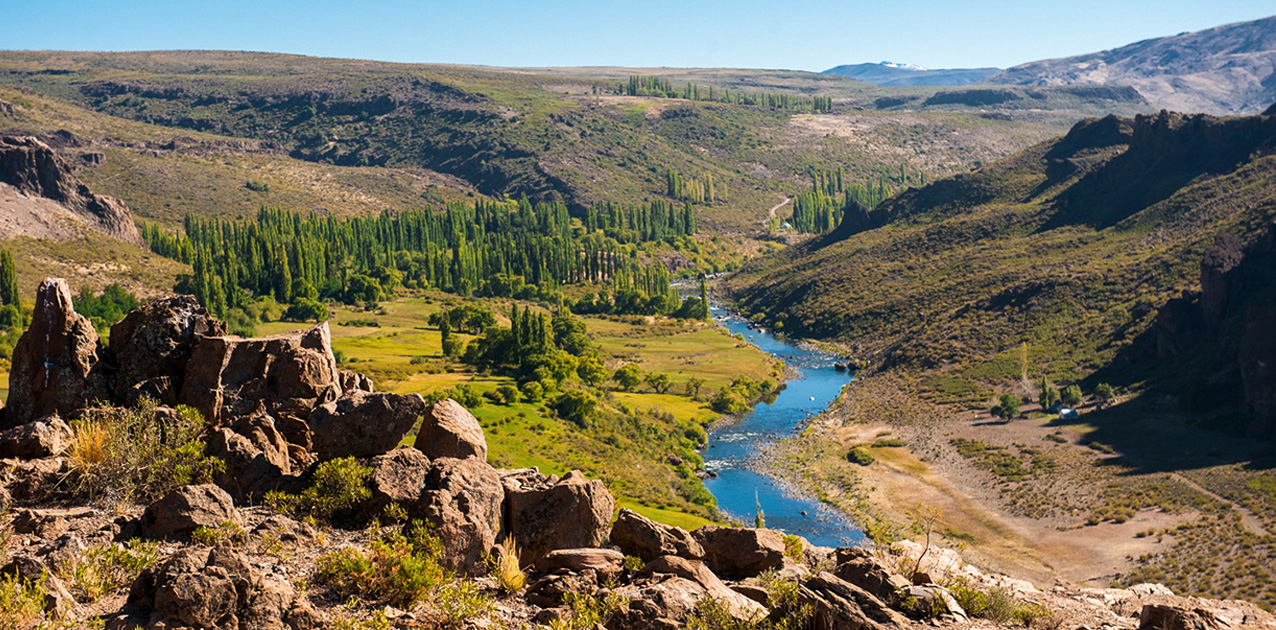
[
  {"x": 1228, "y": 69},
  {"x": 894, "y": 74}
]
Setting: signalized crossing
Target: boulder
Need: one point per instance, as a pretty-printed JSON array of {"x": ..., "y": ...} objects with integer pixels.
[
  {"x": 1167, "y": 617},
  {"x": 865, "y": 570},
  {"x": 362, "y": 424},
  {"x": 462, "y": 499},
  {"x": 215, "y": 588},
  {"x": 660, "y": 605},
  {"x": 604, "y": 561},
  {"x": 840, "y": 604},
  {"x": 45, "y": 437},
  {"x": 740, "y": 607},
  {"x": 56, "y": 595},
  {"x": 351, "y": 381},
  {"x": 181, "y": 511},
  {"x": 637, "y": 535},
  {"x": 397, "y": 477},
  {"x": 52, "y": 362},
  {"x": 261, "y": 432},
  {"x": 738, "y": 552},
  {"x": 153, "y": 344},
  {"x": 544, "y": 513},
  {"x": 291, "y": 373},
  {"x": 29, "y": 479},
  {"x": 249, "y": 472},
  {"x": 450, "y": 430}
]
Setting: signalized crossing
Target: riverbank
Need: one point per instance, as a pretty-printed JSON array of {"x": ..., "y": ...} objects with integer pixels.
[{"x": 1042, "y": 499}]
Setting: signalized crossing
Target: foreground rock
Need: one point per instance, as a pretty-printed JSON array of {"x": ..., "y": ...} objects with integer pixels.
[
  {"x": 218, "y": 588},
  {"x": 186, "y": 509},
  {"x": 292, "y": 373},
  {"x": 53, "y": 359},
  {"x": 738, "y": 553},
  {"x": 39, "y": 438},
  {"x": 546, "y": 513},
  {"x": 462, "y": 499},
  {"x": 450, "y": 430},
  {"x": 363, "y": 424},
  {"x": 637, "y": 535},
  {"x": 153, "y": 345}
]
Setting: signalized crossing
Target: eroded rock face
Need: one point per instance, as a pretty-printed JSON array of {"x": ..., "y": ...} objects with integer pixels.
[
  {"x": 462, "y": 499},
  {"x": 739, "y": 606},
  {"x": 153, "y": 344},
  {"x": 397, "y": 477},
  {"x": 637, "y": 535},
  {"x": 292, "y": 373},
  {"x": 53, "y": 359},
  {"x": 738, "y": 552},
  {"x": 362, "y": 424},
  {"x": 861, "y": 568},
  {"x": 450, "y": 430},
  {"x": 545, "y": 513},
  {"x": 185, "y": 509}
]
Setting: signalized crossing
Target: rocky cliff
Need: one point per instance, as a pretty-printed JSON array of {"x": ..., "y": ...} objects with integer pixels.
[
  {"x": 1229, "y": 69},
  {"x": 40, "y": 197}
]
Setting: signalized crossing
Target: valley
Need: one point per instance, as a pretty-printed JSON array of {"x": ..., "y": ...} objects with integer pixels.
[{"x": 1053, "y": 304}]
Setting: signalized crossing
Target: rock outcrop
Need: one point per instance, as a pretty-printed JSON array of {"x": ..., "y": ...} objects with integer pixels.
[
  {"x": 363, "y": 424},
  {"x": 53, "y": 362},
  {"x": 450, "y": 430},
  {"x": 186, "y": 509},
  {"x": 547, "y": 513},
  {"x": 639, "y": 536},
  {"x": 33, "y": 170},
  {"x": 291, "y": 373},
  {"x": 737, "y": 552},
  {"x": 462, "y": 499},
  {"x": 153, "y": 344}
]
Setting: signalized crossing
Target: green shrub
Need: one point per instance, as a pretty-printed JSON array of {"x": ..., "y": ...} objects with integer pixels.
[
  {"x": 225, "y": 532},
  {"x": 860, "y": 455},
  {"x": 103, "y": 569},
  {"x": 131, "y": 455},
  {"x": 888, "y": 443},
  {"x": 585, "y": 612},
  {"x": 338, "y": 484},
  {"x": 21, "y": 602},
  {"x": 398, "y": 570},
  {"x": 793, "y": 547}
]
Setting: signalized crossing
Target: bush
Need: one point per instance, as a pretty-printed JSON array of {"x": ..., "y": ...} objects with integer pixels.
[
  {"x": 888, "y": 443},
  {"x": 793, "y": 547},
  {"x": 576, "y": 406},
  {"x": 860, "y": 455},
  {"x": 133, "y": 455},
  {"x": 338, "y": 485},
  {"x": 21, "y": 602},
  {"x": 533, "y": 392},
  {"x": 103, "y": 569}
]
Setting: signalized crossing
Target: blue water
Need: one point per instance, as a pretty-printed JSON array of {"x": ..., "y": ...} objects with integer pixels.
[{"x": 731, "y": 446}]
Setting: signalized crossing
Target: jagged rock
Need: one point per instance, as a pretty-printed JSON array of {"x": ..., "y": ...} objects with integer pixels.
[
  {"x": 52, "y": 360},
  {"x": 362, "y": 424},
  {"x": 740, "y": 607},
  {"x": 450, "y": 430},
  {"x": 47, "y": 523},
  {"x": 929, "y": 601},
  {"x": 39, "y": 438},
  {"x": 285, "y": 529},
  {"x": 637, "y": 535},
  {"x": 840, "y": 604},
  {"x": 1166, "y": 617},
  {"x": 604, "y": 561},
  {"x": 291, "y": 373},
  {"x": 351, "y": 381},
  {"x": 181, "y": 511},
  {"x": 659, "y": 606},
  {"x": 738, "y": 552},
  {"x": 397, "y": 477},
  {"x": 549, "y": 590},
  {"x": 248, "y": 472},
  {"x": 153, "y": 344},
  {"x": 462, "y": 499},
  {"x": 260, "y": 430},
  {"x": 30, "y": 479},
  {"x": 545, "y": 513},
  {"x": 215, "y": 588},
  {"x": 861, "y": 568},
  {"x": 35, "y": 170}
]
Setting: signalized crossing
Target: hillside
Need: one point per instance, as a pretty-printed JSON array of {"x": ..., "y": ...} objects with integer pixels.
[
  {"x": 550, "y": 134},
  {"x": 1095, "y": 258},
  {"x": 893, "y": 74},
  {"x": 1228, "y": 69}
]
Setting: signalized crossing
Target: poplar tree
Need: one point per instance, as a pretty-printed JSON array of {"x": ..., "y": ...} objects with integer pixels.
[{"x": 9, "y": 295}]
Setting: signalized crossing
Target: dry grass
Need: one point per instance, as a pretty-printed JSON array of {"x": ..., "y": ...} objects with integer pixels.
[{"x": 504, "y": 567}]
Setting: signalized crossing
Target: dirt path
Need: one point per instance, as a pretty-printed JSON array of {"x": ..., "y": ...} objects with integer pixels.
[
  {"x": 787, "y": 201},
  {"x": 1248, "y": 518}
]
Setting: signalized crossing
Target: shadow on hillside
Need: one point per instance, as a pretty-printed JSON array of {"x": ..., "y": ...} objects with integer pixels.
[{"x": 1152, "y": 433}]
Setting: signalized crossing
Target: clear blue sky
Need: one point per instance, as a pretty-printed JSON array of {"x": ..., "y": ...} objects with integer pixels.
[{"x": 794, "y": 34}]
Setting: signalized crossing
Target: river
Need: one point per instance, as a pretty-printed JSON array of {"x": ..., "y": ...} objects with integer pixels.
[{"x": 732, "y": 446}]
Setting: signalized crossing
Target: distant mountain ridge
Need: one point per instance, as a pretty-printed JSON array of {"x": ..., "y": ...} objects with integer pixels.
[
  {"x": 1229, "y": 69},
  {"x": 896, "y": 74}
]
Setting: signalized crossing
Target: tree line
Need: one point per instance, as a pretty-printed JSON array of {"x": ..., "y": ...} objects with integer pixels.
[
  {"x": 821, "y": 209},
  {"x": 512, "y": 249},
  {"x": 660, "y": 87}
]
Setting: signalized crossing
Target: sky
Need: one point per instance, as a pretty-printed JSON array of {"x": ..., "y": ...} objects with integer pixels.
[{"x": 793, "y": 34}]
